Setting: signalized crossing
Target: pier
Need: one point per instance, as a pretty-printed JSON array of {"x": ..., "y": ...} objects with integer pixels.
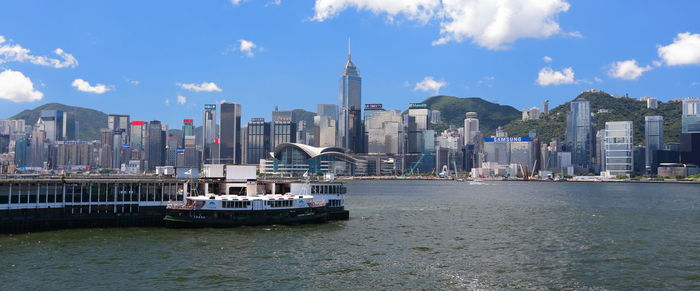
[{"x": 46, "y": 203}]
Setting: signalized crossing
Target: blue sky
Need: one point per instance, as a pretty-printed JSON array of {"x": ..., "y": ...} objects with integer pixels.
[{"x": 141, "y": 50}]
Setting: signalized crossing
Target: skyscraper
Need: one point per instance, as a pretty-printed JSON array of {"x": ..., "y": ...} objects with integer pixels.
[
  {"x": 653, "y": 141},
  {"x": 579, "y": 134},
  {"x": 545, "y": 107},
  {"x": 155, "y": 146},
  {"x": 283, "y": 131},
  {"x": 118, "y": 141},
  {"x": 53, "y": 124},
  {"x": 187, "y": 128},
  {"x": 190, "y": 159},
  {"x": 382, "y": 128},
  {"x": 350, "y": 100},
  {"x": 258, "y": 141},
  {"x": 691, "y": 115},
  {"x": 618, "y": 148},
  {"x": 471, "y": 128},
  {"x": 324, "y": 131},
  {"x": 230, "y": 133},
  {"x": 171, "y": 151},
  {"x": 137, "y": 137},
  {"x": 119, "y": 121},
  {"x": 209, "y": 134}
]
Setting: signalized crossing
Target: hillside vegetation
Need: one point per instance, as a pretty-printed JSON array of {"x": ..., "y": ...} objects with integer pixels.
[
  {"x": 553, "y": 125},
  {"x": 453, "y": 110},
  {"x": 90, "y": 120}
]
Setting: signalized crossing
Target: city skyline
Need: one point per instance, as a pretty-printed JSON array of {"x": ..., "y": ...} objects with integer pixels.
[{"x": 232, "y": 55}]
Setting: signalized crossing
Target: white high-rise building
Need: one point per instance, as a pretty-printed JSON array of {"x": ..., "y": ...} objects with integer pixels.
[
  {"x": 382, "y": 128},
  {"x": 324, "y": 131},
  {"x": 617, "y": 143},
  {"x": 471, "y": 128}
]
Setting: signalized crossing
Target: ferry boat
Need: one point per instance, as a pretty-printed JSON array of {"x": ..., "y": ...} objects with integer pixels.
[{"x": 241, "y": 199}]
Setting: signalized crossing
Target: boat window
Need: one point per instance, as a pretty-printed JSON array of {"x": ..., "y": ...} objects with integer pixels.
[
  {"x": 235, "y": 204},
  {"x": 287, "y": 203}
]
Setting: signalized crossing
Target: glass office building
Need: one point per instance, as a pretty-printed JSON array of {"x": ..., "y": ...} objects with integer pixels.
[
  {"x": 230, "y": 133},
  {"x": 653, "y": 141},
  {"x": 350, "y": 113},
  {"x": 258, "y": 140},
  {"x": 691, "y": 115},
  {"x": 618, "y": 155},
  {"x": 579, "y": 135}
]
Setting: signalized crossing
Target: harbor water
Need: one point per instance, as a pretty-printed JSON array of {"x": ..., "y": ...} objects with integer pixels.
[{"x": 401, "y": 235}]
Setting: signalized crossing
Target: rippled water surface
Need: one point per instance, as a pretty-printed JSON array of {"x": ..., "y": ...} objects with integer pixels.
[{"x": 401, "y": 235}]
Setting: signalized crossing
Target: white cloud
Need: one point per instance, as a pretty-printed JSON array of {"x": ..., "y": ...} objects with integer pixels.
[
  {"x": 428, "y": 84},
  {"x": 422, "y": 10},
  {"x": 236, "y": 2},
  {"x": 203, "y": 87},
  {"x": 273, "y": 3},
  {"x": 488, "y": 23},
  {"x": 575, "y": 34},
  {"x": 547, "y": 59},
  {"x": 132, "y": 82},
  {"x": 685, "y": 50},
  {"x": 627, "y": 70},
  {"x": 598, "y": 80},
  {"x": 247, "y": 47},
  {"x": 84, "y": 86},
  {"x": 547, "y": 77},
  {"x": 181, "y": 99},
  {"x": 167, "y": 102},
  {"x": 694, "y": 83},
  {"x": 17, "y": 53},
  {"x": 16, "y": 87}
]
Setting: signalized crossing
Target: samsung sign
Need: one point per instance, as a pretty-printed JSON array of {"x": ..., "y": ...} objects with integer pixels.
[{"x": 506, "y": 139}]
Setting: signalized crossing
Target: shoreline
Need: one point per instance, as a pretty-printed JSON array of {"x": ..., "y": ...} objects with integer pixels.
[{"x": 385, "y": 178}]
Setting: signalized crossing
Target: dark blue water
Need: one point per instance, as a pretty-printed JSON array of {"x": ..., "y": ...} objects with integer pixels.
[{"x": 401, "y": 235}]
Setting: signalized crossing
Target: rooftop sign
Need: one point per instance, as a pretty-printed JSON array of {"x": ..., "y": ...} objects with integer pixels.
[
  {"x": 417, "y": 105},
  {"x": 507, "y": 139},
  {"x": 209, "y": 106},
  {"x": 374, "y": 106}
]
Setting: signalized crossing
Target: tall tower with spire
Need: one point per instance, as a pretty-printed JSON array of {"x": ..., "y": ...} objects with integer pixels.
[{"x": 350, "y": 102}]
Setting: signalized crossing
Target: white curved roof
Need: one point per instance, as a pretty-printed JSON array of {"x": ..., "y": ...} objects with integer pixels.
[{"x": 309, "y": 150}]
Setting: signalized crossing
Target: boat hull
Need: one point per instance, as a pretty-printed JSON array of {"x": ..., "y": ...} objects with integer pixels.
[{"x": 218, "y": 218}]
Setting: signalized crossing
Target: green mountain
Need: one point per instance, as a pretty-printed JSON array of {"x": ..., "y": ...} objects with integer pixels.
[
  {"x": 453, "y": 109},
  {"x": 553, "y": 125},
  {"x": 90, "y": 120}
]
